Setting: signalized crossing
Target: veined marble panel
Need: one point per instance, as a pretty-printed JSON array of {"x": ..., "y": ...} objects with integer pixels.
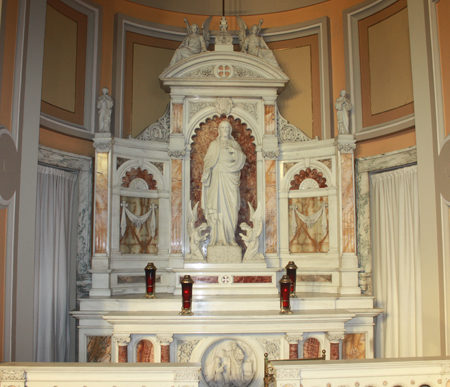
[
  {"x": 98, "y": 349},
  {"x": 138, "y": 240},
  {"x": 304, "y": 239},
  {"x": 134, "y": 279},
  {"x": 311, "y": 348},
  {"x": 271, "y": 206},
  {"x": 314, "y": 278},
  {"x": 354, "y": 346},
  {"x": 334, "y": 351},
  {"x": 211, "y": 279},
  {"x": 101, "y": 202},
  {"x": 327, "y": 163},
  {"x": 83, "y": 165},
  {"x": 201, "y": 140},
  {"x": 348, "y": 206},
  {"x": 145, "y": 352},
  {"x": 269, "y": 119},
  {"x": 120, "y": 161},
  {"x": 177, "y": 120},
  {"x": 176, "y": 206},
  {"x": 252, "y": 279},
  {"x": 287, "y": 167}
]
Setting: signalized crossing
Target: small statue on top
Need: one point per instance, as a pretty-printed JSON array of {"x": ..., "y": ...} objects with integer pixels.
[
  {"x": 104, "y": 105},
  {"x": 254, "y": 44},
  {"x": 193, "y": 43}
]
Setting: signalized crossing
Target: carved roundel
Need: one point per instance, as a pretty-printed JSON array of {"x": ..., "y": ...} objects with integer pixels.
[
  {"x": 309, "y": 184},
  {"x": 223, "y": 71},
  {"x": 229, "y": 362}
]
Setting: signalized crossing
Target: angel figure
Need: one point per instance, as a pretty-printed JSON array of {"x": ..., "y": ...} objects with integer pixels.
[
  {"x": 254, "y": 44},
  {"x": 196, "y": 236},
  {"x": 252, "y": 238},
  {"x": 193, "y": 43}
]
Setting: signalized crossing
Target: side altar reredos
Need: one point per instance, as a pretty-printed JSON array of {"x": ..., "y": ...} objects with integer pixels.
[{"x": 274, "y": 196}]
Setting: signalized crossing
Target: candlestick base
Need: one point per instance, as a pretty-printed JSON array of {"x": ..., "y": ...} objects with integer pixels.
[
  {"x": 285, "y": 310},
  {"x": 149, "y": 296},
  {"x": 186, "y": 312}
]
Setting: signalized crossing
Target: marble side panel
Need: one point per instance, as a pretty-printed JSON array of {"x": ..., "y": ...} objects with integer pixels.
[
  {"x": 165, "y": 353},
  {"x": 134, "y": 279},
  {"x": 176, "y": 207},
  {"x": 252, "y": 279},
  {"x": 314, "y": 278},
  {"x": 201, "y": 139},
  {"x": 334, "y": 351},
  {"x": 123, "y": 354},
  {"x": 177, "y": 118},
  {"x": 145, "y": 352},
  {"x": 212, "y": 279},
  {"x": 143, "y": 174},
  {"x": 287, "y": 167},
  {"x": 301, "y": 238},
  {"x": 271, "y": 206},
  {"x": 293, "y": 351},
  {"x": 354, "y": 346},
  {"x": 139, "y": 240},
  {"x": 269, "y": 119},
  {"x": 98, "y": 349},
  {"x": 311, "y": 348},
  {"x": 348, "y": 207},
  {"x": 101, "y": 202}
]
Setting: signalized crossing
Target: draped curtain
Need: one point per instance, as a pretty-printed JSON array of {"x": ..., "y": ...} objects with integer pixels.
[
  {"x": 396, "y": 260},
  {"x": 54, "y": 219}
]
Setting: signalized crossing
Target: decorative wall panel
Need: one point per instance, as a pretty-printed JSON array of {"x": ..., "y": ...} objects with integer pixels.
[{"x": 98, "y": 349}]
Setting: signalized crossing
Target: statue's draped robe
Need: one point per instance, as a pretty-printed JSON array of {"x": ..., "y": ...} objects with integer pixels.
[
  {"x": 220, "y": 189},
  {"x": 192, "y": 44},
  {"x": 255, "y": 45}
]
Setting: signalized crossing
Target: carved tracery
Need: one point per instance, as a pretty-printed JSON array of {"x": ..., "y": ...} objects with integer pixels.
[{"x": 308, "y": 174}]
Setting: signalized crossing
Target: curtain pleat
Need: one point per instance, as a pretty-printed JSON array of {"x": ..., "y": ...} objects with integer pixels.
[
  {"x": 54, "y": 219},
  {"x": 396, "y": 262}
]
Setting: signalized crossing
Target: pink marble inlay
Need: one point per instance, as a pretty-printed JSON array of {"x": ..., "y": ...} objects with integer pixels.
[
  {"x": 176, "y": 209},
  {"x": 348, "y": 200},
  {"x": 177, "y": 119},
  {"x": 123, "y": 353},
  {"x": 271, "y": 206},
  {"x": 252, "y": 279},
  {"x": 165, "y": 353},
  {"x": 293, "y": 351},
  {"x": 311, "y": 348},
  {"x": 269, "y": 119},
  {"x": 204, "y": 279},
  {"x": 145, "y": 352},
  {"x": 101, "y": 202},
  {"x": 334, "y": 351}
]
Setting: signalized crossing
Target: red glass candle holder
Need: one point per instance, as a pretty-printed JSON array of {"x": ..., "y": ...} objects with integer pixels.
[
  {"x": 150, "y": 280},
  {"x": 285, "y": 294},
  {"x": 291, "y": 271},
  {"x": 186, "y": 295}
]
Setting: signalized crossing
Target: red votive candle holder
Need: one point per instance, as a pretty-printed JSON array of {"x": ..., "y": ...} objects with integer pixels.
[
  {"x": 150, "y": 280},
  {"x": 186, "y": 295},
  {"x": 285, "y": 293},
  {"x": 291, "y": 271}
]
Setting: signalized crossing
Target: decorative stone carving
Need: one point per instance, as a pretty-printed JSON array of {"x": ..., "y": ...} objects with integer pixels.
[
  {"x": 164, "y": 339},
  {"x": 272, "y": 348},
  {"x": 445, "y": 369},
  {"x": 242, "y": 72},
  {"x": 138, "y": 220},
  {"x": 12, "y": 375},
  {"x": 225, "y": 279},
  {"x": 224, "y": 105},
  {"x": 223, "y": 70},
  {"x": 202, "y": 72},
  {"x": 346, "y": 148},
  {"x": 186, "y": 375},
  {"x": 308, "y": 173},
  {"x": 335, "y": 337},
  {"x": 193, "y": 43},
  {"x": 309, "y": 184},
  {"x": 185, "y": 348},
  {"x": 195, "y": 107},
  {"x": 270, "y": 155},
  {"x": 104, "y": 104},
  {"x": 287, "y": 374},
  {"x": 102, "y": 146},
  {"x": 121, "y": 340},
  {"x": 141, "y": 174},
  {"x": 229, "y": 363},
  {"x": 220, "y": 188},
  {"x": 288, "y": 132},
  {"x": 251, "y": 108},
  {"x": 224, "y": 38},
  {"x": 254, "y": 44},
  {"x": 176, "y": 154},
  {"x": 196, "y": 235},
  {"x": 343, "y": 106},
  {"x": 138, "y": 183},
  {"x": 159, "y": 131},
  {"x": 293, "y": 338},
  {"x": 252, "y": 238}
]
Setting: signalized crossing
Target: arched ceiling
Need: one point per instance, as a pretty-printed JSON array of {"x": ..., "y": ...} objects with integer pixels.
[{"x": 232, "y": 7}]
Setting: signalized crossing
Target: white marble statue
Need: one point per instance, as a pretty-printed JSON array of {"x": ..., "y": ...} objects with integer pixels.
[
  {"x": 194, "y": 42},
  {"x": 343, "y": 106},
  {"x": 254, "y": 44},
  {"x": 104, "y": 104},
  {"x": 252, "y": 238},
  {"x": 220, "y": 186},
  {"x": 196, "y": 235}
]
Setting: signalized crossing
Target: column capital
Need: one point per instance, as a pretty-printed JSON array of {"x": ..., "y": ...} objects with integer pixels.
[
  {"x": 345, "y": 143},
  {"x": 103, "y": 142},
  {"x": 164, "y": 339},
  {"x": 122, "y": 339},
  {"x": 293, "y": 338},
  {"x": 335, "y": 337}
]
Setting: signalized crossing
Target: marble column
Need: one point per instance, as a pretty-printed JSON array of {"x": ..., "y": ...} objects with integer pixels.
[
  {"x": 176, "y": 204},
  {"x": 293, "y": 339},
  {"x": 345, "y": 144},
  {"x": 100, "y": 259},
  {"x": 121, "y": 341},
  {"x": 164, "y": 341},
  {"x": 335, "y": 339}
]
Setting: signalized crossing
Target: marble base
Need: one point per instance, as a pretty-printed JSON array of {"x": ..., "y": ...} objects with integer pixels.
[{"x": 224, "y": 254}]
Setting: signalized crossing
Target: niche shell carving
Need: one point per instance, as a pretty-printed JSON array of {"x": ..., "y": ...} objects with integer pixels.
[{"x": 229, "y": 363}]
